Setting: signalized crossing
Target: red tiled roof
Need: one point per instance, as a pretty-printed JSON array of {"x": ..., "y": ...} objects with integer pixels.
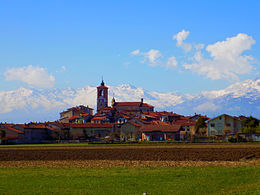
[
  {"x": 158, "y": 123},
  {"x": 142, "y": 121},
  {"x": 131, "y": 110},
  {"x": 21, "y": 125},
  {"x": 40, "y": 126},
  {"x": 107, "y": 108},
  {"x": 12, "y": 129},
  {"x": 184, "y": 117},
  {"x": 83, "y": 115},
  {"x": 56, "y": 130},
  {"x": 137, "y": 104},
  {"x": 35, "y": 126},
  {"x": 185, "y": 122},
  {"x": 97, "y": 125},
  {"x": 98, "y": 118},
  {"x": 151, "y": 116},
  {"x": 160, "y": 128},
  {"x": 75, "y": 109},
  {"x": 57, "y": 124},
  {"x": 125, "y": 116},
  {"x": 135, "y": 124},
  {"x": 10, "y": 137},
  {"x": 74, "y": 117},
  {"x": 159, "y": 114}
]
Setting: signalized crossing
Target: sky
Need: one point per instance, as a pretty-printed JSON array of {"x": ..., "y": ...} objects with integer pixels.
[{"x": 165, "y": 46}]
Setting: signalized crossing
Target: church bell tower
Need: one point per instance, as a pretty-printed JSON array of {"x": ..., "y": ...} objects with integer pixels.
[{"x": 102, "y": 96}]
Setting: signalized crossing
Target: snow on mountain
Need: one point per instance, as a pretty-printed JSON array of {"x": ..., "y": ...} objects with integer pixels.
[
  {"x": 248, "y": 88},
  {"x": 23, "y": 105}
]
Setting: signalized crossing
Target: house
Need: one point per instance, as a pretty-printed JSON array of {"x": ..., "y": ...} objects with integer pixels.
[
  {"x": 132, "y": 107},
  {"x": 154, "y": 132},
  {"x": 224, "y": 124},
  {"x": 39, "y": 133},
  {"x": 76, "y": 119},
  {"x": 89, "y": 130},
  {"x": 168, "y": 117},
  {"x": 65, "y": 116},
  {"x": 100, "y": 119},
  {"x": 150, "y": 116},
  {"x": 121, "y": 117},
  {"x": 130, "y": 131},
  {"x": 188, "y": 128},
  {"x": 196, "y": 117},
  {"x": 9, "y": 134}
]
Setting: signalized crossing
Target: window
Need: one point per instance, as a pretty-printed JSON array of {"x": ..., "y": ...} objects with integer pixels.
[
  {"x": 220, "y": 118},
  {"x": 212, "y": 124},
  {"x": 101, "y": 93},
  {"x": 228, "y": 124}
]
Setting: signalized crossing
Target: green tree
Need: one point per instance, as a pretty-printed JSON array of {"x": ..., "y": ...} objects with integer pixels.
[
  {"x": 3, "y": 133},
  {"x": 250, "y": 125},
  {"x": 200, "y": 124}
]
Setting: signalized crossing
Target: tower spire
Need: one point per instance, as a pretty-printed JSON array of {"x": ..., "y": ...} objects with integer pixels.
[{"x": 102, "y": 83}]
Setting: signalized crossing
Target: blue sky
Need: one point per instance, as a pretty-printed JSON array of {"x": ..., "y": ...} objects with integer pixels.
[{"x": 47, "y": 44}]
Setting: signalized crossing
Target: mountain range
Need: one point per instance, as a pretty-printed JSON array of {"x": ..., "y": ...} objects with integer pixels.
[{"x": 30, "y": 104}]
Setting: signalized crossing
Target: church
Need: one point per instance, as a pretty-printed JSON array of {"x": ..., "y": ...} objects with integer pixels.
[{"x": 128, "y": 107}]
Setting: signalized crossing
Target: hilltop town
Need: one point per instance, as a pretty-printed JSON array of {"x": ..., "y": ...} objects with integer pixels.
[{"x": 130, "y": 121}]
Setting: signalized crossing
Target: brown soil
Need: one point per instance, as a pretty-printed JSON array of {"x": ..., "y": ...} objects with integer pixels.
[
  {"x": 124, "y": 163},
  {"x": 132, "y": 154}
]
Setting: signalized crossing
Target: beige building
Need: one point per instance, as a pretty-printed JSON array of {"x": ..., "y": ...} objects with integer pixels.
[
  {"x": 224, "y": 124},
  {"x": 130, "y": 131},
  {"x": 81, "y": 131},
  {"x": 80, "y": 111}
]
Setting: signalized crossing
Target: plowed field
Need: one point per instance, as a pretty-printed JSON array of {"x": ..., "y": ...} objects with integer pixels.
[{"x": 132, "y": 154}]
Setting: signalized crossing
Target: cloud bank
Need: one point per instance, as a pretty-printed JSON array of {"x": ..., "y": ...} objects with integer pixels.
[
  {"x": 32, "y": 75},
  {"x": 224, "y": 59},
  {"x": 227, "y": 60}
]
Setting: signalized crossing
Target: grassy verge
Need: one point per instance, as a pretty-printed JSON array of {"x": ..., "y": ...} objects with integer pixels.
[{"x": 130, "y": 180}]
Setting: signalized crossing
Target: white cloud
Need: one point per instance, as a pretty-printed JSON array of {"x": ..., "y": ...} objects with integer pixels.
[
  {"x": 135, "y": 52},
  {"x": 172, "y": 62},
  {"x": 180, "y": 37},
  {"x": 227, "y": 61},
  {"x": 153, "y": 55},
  {"x": 206, "y": 107},
  {"x": 32, "y": 75}
]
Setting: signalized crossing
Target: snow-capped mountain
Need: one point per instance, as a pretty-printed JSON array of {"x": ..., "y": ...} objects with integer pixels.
[{"x": 29, "y": 104}]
